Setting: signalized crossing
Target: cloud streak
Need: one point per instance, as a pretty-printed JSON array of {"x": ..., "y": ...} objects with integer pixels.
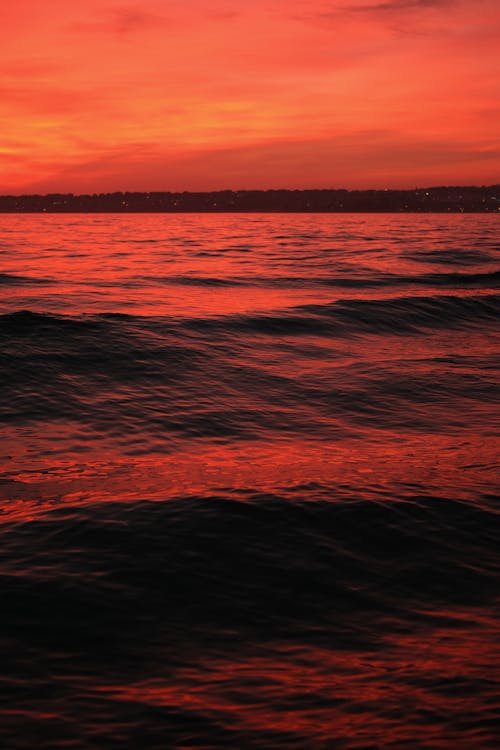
[
  {"x": 350, "y": 160},
  {"x": 395, "y": 6},
  {"x": 122, "y": 21}
]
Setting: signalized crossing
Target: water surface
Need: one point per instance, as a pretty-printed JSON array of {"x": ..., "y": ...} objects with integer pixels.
[{"x": 249, "y": 472}]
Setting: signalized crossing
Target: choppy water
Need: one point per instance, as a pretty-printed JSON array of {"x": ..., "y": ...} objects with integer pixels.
[{"x": 249, "y": 472}]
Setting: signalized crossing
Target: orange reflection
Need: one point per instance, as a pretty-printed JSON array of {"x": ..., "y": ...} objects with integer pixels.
[{"x": 411, "y": 690}]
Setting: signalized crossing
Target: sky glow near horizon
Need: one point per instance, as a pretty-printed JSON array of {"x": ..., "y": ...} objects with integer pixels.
[{"x": 157, "y": 95}]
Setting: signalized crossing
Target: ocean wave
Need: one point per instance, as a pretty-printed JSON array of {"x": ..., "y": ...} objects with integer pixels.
[
  {"x": 9, "y": 279},
  {"x": 398, "y": 315},
  {"x": 153, "y": 382},
  {"x": 211, "y": 620},
  {"x": 210, "y": 281},
  {"x": 214, "y": 560},
  {"x": 405, "y": 315},
  {"x": 368, "y": 280},
  {"x": 453, "y": 256}
]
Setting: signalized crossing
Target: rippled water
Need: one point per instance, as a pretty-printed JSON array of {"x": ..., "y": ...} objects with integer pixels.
[{"x": 249, "y": 474}]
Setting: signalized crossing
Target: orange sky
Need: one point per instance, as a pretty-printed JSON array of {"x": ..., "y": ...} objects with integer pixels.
[{"x": 99, "y": 95}]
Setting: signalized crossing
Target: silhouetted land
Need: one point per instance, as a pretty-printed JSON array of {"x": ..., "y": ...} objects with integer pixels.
[{"x": 424, "y": 200}]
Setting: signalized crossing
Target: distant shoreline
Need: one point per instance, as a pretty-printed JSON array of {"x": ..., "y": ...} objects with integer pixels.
[{"x": 485, "y": 199}]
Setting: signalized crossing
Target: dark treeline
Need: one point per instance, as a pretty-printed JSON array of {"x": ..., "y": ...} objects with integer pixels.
[{"x": 435, "y": 200}]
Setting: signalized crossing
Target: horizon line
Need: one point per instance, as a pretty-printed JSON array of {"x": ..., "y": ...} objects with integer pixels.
[{"x": 261, "y": 190}]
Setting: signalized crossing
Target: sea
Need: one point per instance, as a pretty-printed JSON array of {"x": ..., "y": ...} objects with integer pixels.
[{"x": 249, "y": 481}]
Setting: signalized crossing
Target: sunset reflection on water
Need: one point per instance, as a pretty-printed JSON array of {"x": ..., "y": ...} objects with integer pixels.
[{"x": 249, "y": 468}]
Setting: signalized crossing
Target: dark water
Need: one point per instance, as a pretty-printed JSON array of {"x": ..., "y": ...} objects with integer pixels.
[{"x": 249, "y": 477}]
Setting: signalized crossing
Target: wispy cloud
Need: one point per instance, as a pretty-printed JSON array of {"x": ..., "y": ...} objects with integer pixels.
[
  {"x": 123, "y": 21},
  {"x": 345, "y": 161},
  {"x": 402, "y": 17},
  {"x": 391, "y": 6},
  {"x": 32, "y": 69}
]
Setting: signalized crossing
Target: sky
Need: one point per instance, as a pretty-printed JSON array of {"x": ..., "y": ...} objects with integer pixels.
[{"x": 100, "y": 96}]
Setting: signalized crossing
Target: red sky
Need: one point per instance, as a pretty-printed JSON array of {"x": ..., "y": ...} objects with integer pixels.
[{"x": 98, "y": 95}]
